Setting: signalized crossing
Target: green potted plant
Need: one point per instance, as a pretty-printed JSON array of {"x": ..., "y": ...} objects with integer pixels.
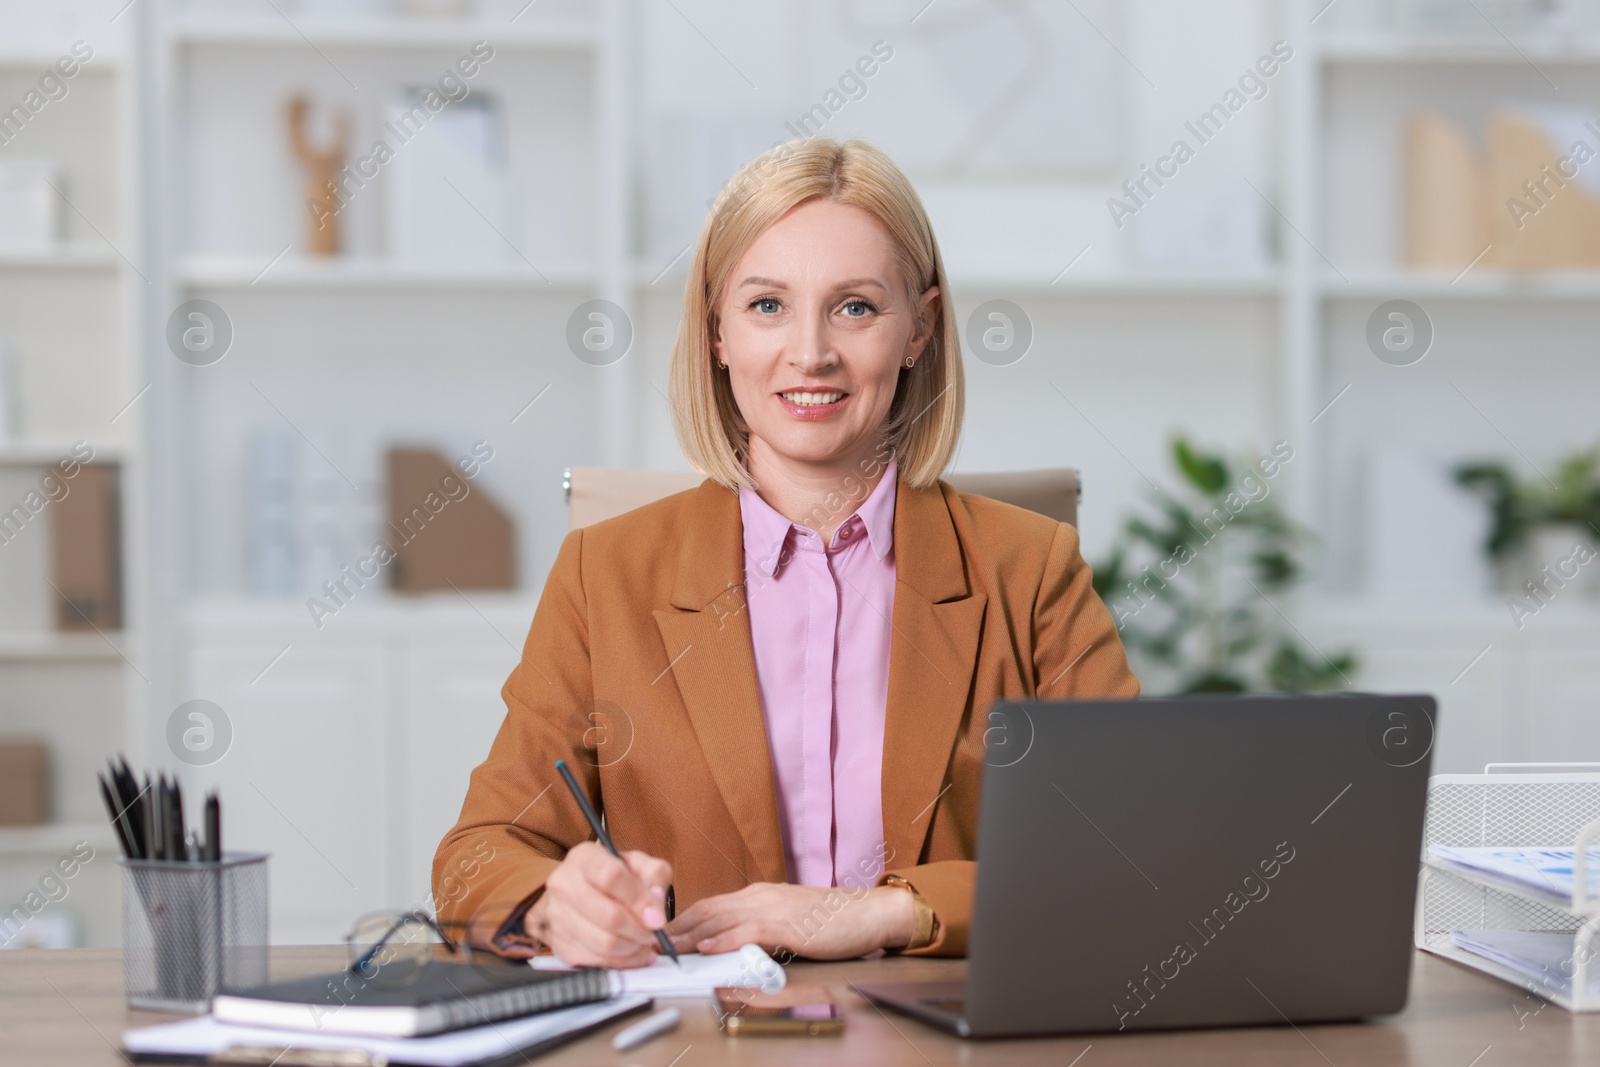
[
  {"x": 1189, "y": 584},
  {"x": 1537, "y": 523}
]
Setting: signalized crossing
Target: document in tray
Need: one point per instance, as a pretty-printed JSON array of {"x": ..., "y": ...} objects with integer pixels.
[
  {"x": 511, "y": 1040},
  {"x": 1546, "y": 958},
  {"x": 1545, "y": 870},
  {"x": 694, "y": 975}
]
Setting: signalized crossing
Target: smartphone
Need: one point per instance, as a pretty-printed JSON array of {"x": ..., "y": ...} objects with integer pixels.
[{"x": 796, "y": 1009}]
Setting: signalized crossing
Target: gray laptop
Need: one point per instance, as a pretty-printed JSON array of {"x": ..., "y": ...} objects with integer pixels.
[{"x": 1188, "y": 862}]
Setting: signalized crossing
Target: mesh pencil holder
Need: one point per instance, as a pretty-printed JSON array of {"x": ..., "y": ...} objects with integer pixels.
[
  {"x": 191, "y": 930},
  {"x": 1514, "y": 805}
]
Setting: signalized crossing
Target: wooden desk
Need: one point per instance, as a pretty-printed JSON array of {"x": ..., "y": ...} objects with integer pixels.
[{"x": 67, "y": 1008}]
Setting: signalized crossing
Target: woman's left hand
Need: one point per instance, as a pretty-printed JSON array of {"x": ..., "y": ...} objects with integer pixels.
[{"x": 811, "y": 921}]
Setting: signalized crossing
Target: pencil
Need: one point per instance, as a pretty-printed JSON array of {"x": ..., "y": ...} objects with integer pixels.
[
  {"x": 605, "y": 839},
  {"x": 117, "y": 822}
]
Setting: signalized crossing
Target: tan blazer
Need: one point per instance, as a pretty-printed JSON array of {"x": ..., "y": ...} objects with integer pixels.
[{"x": 640, "y": 672}]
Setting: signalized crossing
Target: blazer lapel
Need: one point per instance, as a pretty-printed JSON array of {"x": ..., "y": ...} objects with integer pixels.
[
  {"x": 713, "y": 660},
  {"x": 933, "y": 652}
]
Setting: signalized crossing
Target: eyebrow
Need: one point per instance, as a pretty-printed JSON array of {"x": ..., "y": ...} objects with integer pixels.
[{"x": 849, "y": 283}]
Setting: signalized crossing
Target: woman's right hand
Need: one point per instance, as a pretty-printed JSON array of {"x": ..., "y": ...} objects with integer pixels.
[{"x": 600, "y": 911}]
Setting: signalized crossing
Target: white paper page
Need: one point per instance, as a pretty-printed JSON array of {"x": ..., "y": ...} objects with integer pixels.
[
  {"x": 1543, "y": 869},
  {"x": 748, "y": 968},
  {"x": 1547, "y": 958},
  {"x": 205, "y": 1036}
]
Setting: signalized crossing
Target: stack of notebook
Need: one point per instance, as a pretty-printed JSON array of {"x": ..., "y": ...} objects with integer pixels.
[{"x": 449, "y": 1015}]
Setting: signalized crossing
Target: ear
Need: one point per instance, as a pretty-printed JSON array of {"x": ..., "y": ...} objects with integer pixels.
[
  {"x": 715, "y": 334},
  {"x": 927, "y": 316}
]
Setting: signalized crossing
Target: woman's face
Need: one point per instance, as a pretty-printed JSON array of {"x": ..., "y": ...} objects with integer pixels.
[{"x": 815, "y": 325}]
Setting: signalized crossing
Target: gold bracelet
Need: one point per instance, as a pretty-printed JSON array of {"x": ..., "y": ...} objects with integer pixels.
[{"x": 925, "y": 926}]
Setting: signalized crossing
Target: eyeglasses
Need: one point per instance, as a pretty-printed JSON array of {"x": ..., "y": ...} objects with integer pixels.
[{"x": 391, "y": 948}]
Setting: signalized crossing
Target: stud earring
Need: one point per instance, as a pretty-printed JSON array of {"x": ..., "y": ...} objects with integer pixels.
[
  {"x": 722, "y": 365},
  {"x": 911, "y": 361}
]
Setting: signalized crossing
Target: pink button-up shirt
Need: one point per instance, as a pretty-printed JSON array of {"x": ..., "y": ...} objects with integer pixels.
[{"x": 820, "y": 622}]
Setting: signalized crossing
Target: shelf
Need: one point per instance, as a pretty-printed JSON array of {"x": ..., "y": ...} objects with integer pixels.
[
  {"x": 1573, "y": 615},
  {"x": 1549, "y": 898},
  {"x": 56, "y": 647},
  {"x": 52, "y": 838},
  {"x": 87, "y": 257},
  {"x": 1163, "y": 284},
  {"x": 37, "y": 61},
  {"x": 299, "y": 30},
  {"x": 293, "y": 273},
  {"x": 1486, "y": 49},
  {"x": 45, "y": 453},
  {"x": 1476, "y": 284},
  {"x": 371, "y": 611}
]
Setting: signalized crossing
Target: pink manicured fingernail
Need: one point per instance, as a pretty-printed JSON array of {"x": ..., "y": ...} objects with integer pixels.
[
  {"x": 707, "y": 945},
  {"x": 655, "y": 918},
  {"x": 659, "y": 893}
]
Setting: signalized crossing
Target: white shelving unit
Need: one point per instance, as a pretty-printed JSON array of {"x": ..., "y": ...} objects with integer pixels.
[
  {"x": 68, "y": 317},
  {"x": 1476, "y": 285},
  {"x": 376, "y": 275},
  {"x": 314, "y": 29},
  {"x": 1413, "y": 49},
  {"x": 346, "y": 354},
  {"x": 79, "y": 256},
  {"x": 350, "y": 353},
  {"x": 53, "y": 840}
]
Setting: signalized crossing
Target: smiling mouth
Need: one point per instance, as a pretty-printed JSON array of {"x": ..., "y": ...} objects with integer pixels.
[{"x": 812, "y": 399}]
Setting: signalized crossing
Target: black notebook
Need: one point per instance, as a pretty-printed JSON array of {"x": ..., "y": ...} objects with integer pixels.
[{"x": 443, "y": 996}]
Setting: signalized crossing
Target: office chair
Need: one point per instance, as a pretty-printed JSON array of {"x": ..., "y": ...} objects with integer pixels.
[{"x": 596, "y": 493}]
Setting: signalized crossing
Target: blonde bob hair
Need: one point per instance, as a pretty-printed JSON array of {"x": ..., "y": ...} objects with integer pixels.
[{"x": 925, "y": 417}]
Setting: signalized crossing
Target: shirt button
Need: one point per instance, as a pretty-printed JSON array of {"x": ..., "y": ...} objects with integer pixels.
[{"x": 845, "y": 533}]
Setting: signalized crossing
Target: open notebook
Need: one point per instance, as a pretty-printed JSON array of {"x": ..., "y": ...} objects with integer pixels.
[{"x": 694, "y": 975}]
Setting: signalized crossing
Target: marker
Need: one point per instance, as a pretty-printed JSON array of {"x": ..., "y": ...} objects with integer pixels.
[
  {"x": 660, "y": 1023},
  {"x": 605, "y": 839}
]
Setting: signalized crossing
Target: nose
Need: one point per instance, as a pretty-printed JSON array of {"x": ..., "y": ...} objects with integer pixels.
[{"x": 813, "y": 351}]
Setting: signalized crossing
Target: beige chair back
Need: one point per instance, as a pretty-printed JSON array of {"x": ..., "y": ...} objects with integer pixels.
[{"x": 596, "y": 493}]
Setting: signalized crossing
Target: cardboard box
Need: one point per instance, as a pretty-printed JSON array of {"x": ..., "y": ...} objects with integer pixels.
[
  {"x": 446, "y": 531},
  {"x": 87, "y": 551},
  {"x": 1540, "y": 220},
  {"x": 1446, "y": 217},
  {"x": 24, "y": 783}
]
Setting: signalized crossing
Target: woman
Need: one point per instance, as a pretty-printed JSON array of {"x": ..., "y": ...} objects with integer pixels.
[{"x": 776, "y": 686}]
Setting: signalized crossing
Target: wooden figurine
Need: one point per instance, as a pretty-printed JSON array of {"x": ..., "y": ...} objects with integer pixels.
[{"x": 323, "y": 196}]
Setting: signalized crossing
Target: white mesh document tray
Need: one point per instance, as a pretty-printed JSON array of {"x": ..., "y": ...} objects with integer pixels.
[{"x": 1515, "y": 805}]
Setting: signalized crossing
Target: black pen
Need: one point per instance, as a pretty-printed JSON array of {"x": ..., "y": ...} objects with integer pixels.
[
  {"x": 127, "y": 790},
  {"x": 180, "y": 833},
  {"x": 213, "y": 853},
  {"x": 605, "y": 839},
  {"x": 152, "y": 821},
  {"x": 117, "y": 822},
  {"x": 127, "y": 795}
]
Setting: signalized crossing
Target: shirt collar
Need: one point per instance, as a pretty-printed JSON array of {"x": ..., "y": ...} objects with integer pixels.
[
  {"x": 766, "y": 531},
  {"x": 877, "y": 513}
]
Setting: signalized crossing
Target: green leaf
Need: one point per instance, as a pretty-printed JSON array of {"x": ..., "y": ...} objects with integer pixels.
[
  {"x": 1275, "y": 567},
  {"x": 1215, "y": 682},
  {"x": 1207, "y": 473}
]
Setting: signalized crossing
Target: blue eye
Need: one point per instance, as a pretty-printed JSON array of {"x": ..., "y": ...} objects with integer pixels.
[
  {"x": 865, "y": 305},
  {"x": 761, "y": 305}
]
